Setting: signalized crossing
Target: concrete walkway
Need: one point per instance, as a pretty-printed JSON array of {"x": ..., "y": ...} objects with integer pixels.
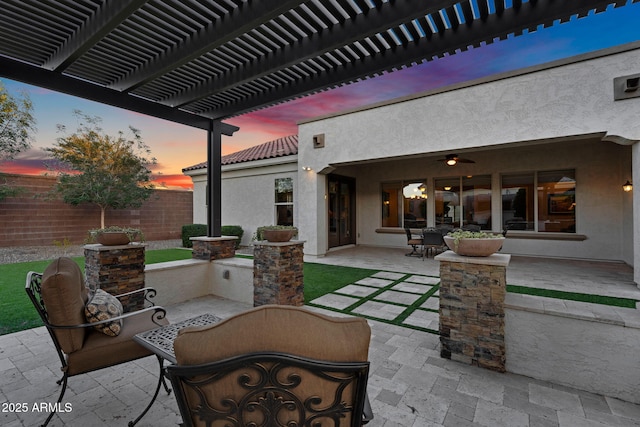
[{"x": 409, "y": 384}]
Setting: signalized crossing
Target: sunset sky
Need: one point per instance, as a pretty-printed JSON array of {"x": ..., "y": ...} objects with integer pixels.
[{"x": 177, "y": 146}]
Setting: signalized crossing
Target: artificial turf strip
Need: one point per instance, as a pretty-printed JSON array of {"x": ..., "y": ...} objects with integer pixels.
[
  {"x": 398, "y": 320},
  {"x": 573, "y": 296},
  {"x": 321, "y": 279}
]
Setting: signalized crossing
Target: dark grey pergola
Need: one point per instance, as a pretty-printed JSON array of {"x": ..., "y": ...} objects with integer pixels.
[{"x": 198, "y": 62}]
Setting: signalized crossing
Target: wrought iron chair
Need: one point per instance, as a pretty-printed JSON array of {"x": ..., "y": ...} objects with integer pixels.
[
  {"x": 414, "y": 242},
  {"x": 432, "y": 240},
  {"x": 59, "y": 295},
  {"x": 273, "y": 366}
]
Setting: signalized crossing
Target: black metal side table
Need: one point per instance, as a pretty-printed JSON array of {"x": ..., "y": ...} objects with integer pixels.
[{"x": 160, "y": 340}]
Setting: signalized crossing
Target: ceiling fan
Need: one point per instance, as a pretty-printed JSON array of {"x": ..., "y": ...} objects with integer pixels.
[{"x": 453, "y": 159}]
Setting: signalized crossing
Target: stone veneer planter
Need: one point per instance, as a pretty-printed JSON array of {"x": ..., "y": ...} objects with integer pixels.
[
  {"x": 212, "y": 248},
  {"x": 472, "y": 294},
  {"x": 278, "y": 273},
  {"x": 117, "y": 270}
]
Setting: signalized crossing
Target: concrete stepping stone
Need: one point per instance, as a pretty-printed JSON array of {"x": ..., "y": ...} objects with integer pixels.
[
  {"x": 379, "y": 310},
  {"x": 432, "y": 303},
  {"x": 357, "y": 291},
  {"x": 335, "y": 301},
  {"x": 415, "y": 288},
  {"x": 425, "y": 280},
  {"x": 398, "y": 297},
  {"x": 374, "y": 281},
  {"x": 388, "y": 275}
]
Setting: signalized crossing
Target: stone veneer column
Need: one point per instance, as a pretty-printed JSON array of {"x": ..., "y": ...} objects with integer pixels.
[
  {"x": 472, "y": 292},
  {"x": 278, "y": 273},
  {"x": 212, "y": 248},
  {"x": 116, "y": 270}
]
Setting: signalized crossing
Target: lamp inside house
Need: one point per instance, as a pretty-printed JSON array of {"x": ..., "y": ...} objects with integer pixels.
[
  {"x": 627, "y": 186},
  {"x": 453, "y": 159}
]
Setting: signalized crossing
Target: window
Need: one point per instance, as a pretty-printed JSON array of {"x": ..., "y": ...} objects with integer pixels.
[
  {"x": 540, "y": 201},
  {"x": 284, "y": 201},
  {"x": 462, "y": 201},
  {"x": 404, "y": 204}
]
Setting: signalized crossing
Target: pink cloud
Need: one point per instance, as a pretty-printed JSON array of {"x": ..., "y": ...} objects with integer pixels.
[{"x": 173, "y": 182}]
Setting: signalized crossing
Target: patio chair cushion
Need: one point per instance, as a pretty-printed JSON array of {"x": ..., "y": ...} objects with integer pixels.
[
  {"x": 100, "y": 350},
  {"x": 103, "y": 306},
  {"x": 273, "y": 328},
  {"x": 65, "y": 295},
  {"x": 277, "y": 328}
]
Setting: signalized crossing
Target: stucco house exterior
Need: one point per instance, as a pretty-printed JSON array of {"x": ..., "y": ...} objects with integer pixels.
[
  {"x": 258, "y": 186},
  {"x": 551, "y": 147}
]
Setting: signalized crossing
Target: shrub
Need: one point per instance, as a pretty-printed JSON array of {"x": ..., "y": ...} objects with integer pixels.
[
  {"x": 192, "y": 230},
  {"x": 233, "y": 230}
]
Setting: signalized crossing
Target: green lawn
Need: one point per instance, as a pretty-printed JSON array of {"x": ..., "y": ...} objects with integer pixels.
[{"x": 16, "y": 311}]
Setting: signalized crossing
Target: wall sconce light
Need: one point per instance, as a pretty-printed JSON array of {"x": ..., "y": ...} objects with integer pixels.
[
  {"x": 627, "y": 186},
  {"x": 307, "y": 168}
]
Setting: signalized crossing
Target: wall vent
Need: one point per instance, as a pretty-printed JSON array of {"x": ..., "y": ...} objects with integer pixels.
[
  {"x": 626, "y": 87},
  {"x": 318, "y": 141}
]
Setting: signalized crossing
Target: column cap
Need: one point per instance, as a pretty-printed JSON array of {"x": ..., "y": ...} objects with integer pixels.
[
  {"x": 289, "y": 243},
  {"x": 213, "y": 239},
  {"x": 99, "y": 247},
  {"x": 501, "y": 260}
]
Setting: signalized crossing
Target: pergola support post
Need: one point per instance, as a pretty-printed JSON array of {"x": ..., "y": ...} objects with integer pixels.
[
  {"x": 214, "y": 175},
  {"x": 214, "y": 179}
]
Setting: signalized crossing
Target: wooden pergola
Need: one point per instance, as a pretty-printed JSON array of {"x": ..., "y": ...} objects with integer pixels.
[{"x": 199, "y": 62}]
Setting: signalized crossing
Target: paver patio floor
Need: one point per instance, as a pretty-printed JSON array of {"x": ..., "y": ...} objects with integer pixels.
[{"x": 409, "y": 384}]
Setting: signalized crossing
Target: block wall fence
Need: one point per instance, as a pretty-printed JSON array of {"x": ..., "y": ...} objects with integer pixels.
[{"x": 32, "y": 220}]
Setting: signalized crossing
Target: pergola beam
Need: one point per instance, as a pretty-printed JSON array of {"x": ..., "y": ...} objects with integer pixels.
[
  {"x": 71, "y": 86},
  {"x": 363, "y": 25},
  {"x": 512, "y": 21},
  {"x": 106, "y": 19},
  {"x": 241, "y": 20}
]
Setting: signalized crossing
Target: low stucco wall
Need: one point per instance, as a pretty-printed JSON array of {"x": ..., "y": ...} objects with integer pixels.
[
  {"x": 232, "y": 278},
  {"x": 585, "y": 346},
  {"x": 179, "y": 281}
]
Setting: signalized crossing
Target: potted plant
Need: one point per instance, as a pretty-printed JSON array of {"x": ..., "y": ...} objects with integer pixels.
[
  {"x": 114, "y": 236},
  {"x": 474, "y": 243},
  {"x": 275, "y": 233}
]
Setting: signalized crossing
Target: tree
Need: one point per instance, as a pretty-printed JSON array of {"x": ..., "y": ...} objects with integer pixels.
[
  {"x": 17, "y": 125},
  {"x": 108, "y": 171}
]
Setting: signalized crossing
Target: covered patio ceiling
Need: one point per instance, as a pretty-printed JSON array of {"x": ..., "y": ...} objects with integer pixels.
[{"x": 198, "y": 62}]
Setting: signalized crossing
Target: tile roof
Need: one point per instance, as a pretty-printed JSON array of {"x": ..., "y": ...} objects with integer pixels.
[{"x": 285, "y": 146}]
